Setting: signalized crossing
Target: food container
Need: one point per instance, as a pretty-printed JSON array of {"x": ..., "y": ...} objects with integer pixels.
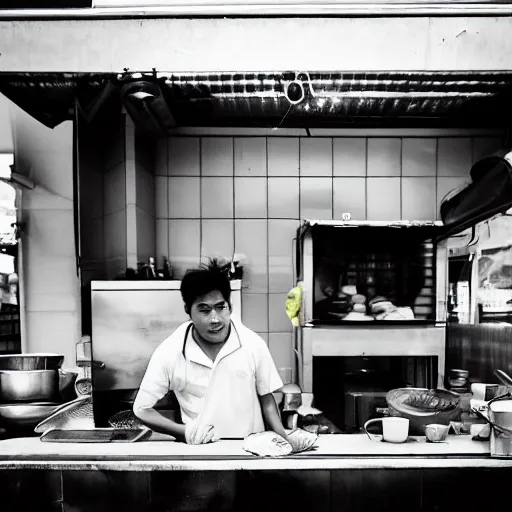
[
  {"x": 436, "y": 433},
  {"x": 25, "y": 362},
  {"x": 29, "y": 386},
  {"x": 458, "y": 378},
  {"x": 423, "y": 407}
]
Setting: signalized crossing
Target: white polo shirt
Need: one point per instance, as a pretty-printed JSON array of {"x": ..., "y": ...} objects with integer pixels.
[{"x": 223, "y": 393}]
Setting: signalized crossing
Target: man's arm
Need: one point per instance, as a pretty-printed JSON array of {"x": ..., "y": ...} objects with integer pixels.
[
  {"x": 155, "y": 384},
  {"x": 271, "y": 414},
  {"x": 159, "y": 423}
]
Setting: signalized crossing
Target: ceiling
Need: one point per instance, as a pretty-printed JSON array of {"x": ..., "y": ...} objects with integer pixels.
[{"x": 380, "y": 99}]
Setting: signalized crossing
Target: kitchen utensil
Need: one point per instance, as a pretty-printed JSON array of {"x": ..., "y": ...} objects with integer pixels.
[
  {"x": 83, "y": 387},
  {"x": 29, "y": 385},
  {"x": 77, "y": 414},
  {"x": 97, "y": 435},
  {"x": 25, "y": 415},
  {"x": 423, "y": 407},
  {"x": 25, "y": 362},
  {"x": 394, "y": 429},
  {"x": 490, "y": 421},
  {"x": 124, "y": 419},
  {"x": 436, "y": 433},
  {"x": 504, "y": 378}
]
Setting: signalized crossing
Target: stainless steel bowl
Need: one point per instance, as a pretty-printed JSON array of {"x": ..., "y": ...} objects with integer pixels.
[
  {"x": 39, "y": 361},
  {"x": 29, "y": 386},
  {"x": 25, "y": 415}
]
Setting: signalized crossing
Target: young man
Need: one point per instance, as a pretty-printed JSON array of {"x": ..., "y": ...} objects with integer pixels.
[{"x": 221, "y": 372}]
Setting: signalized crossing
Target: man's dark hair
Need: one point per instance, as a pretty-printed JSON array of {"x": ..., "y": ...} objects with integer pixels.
[{"x": 208, "y": 277}]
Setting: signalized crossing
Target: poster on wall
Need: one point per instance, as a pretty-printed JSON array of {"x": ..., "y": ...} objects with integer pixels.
[{"x": 494, "y": 295}]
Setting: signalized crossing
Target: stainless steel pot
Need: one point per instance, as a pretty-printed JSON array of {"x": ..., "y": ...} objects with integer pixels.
[{"x": 29, "y": 386}]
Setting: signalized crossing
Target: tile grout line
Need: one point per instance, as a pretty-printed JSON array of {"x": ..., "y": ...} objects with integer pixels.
[{"x": 200, "y": 199}]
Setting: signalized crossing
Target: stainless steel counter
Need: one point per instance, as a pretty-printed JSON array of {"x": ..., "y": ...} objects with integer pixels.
[{"x": 332, "y": 452}]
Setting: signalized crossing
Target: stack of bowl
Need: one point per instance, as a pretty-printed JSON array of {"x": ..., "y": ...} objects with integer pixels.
[{"x": 29, "y": 389}]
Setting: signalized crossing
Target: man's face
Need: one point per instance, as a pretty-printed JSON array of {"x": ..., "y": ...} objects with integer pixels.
[{"x": 210, "y": 315}]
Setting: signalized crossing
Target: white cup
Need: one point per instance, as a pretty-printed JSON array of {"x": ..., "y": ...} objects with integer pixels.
[{"x": 394, "y": 429}]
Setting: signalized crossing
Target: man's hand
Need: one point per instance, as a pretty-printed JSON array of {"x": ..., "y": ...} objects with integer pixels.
[
  {"x": 301, "y": 440},
  {"x": 199, "y": 433}
]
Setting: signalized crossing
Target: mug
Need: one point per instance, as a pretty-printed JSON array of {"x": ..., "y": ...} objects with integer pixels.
[{"x": 394, "y": 429}]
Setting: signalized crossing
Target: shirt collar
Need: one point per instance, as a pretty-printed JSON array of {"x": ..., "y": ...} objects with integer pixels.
[{"x": 193, "y": 351}]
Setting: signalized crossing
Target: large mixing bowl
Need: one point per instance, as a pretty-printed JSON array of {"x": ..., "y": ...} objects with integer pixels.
[
  {"x": 423, "y": 406},
  {"x": 26, "y": 362},
  {"x": 14, "y": 416},
  {"x": 29, "y": 386}
]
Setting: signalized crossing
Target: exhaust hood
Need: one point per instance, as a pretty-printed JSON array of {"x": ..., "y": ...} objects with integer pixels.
[{"x": 489, "y": 193}]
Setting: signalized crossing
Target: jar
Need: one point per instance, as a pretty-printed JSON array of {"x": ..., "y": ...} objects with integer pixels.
[{"x": 458, "y": 378}]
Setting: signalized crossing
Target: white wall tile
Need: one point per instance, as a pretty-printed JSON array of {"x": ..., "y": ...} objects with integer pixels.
[
  {"x": 184, "y": 245},
  {"x": 384, "y": 157},
  {"x": 250, "y": 156},
  {"x": 419, "y": 157},
  {"x": 115, "y": 234},
  {"x": 316, "y": 198},
  {"x": 283, "y": 156},
  {"x": 50, "y": 233},
  {"x": 217, "y": 156},
  {"x": 447, "y": 185},
  {"x": 251, "y": 198},
  {"x": 161, "y": 197},
  {"x": 216, "y": 198},
  {"x": 255, "y": 311},
  {"x": 145, "y": 183},
  {"x": 350, "y": 197},
  {"x": 485, "y": 146},
  {"x": 162, "y": 241},
  {"x": 92, "y": 231},
  {"x": 161, "y": 157},
  {"x": 263, "y": 336},
  {"x": 283, "y": 198},
  {"x": 146, "y": 234},
  {"x": 454, "y": 157},
  {"x": 251, "y": 241},
  {"x": 419, "y": 198},
  {"x": 184, "y": 198},
  {"x": 217, "y": 237},
  {"x": 114, "y": 192},
  {"x": 62, "y": 327},
  {"x": 131, "y": 236},
  {"x": 281, "y": 348},
  {"x": 315, "y": 156},
  {"x": 278, "y": 320},
  {"x": 349, "y": 156},
  {"x": 281, "y": 233},
  {"x": 49, "y": 274},
  {"x": 383, "y": 199},
  {"x": 183, "y": 159}
]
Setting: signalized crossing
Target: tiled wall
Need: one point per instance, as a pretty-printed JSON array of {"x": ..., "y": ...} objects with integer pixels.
[{"x": 219, "y": 195}]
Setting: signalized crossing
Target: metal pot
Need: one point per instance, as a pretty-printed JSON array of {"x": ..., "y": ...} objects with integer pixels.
[
  {"x": 31, "y": 361},
  {"x": 29, "y": 386}
]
